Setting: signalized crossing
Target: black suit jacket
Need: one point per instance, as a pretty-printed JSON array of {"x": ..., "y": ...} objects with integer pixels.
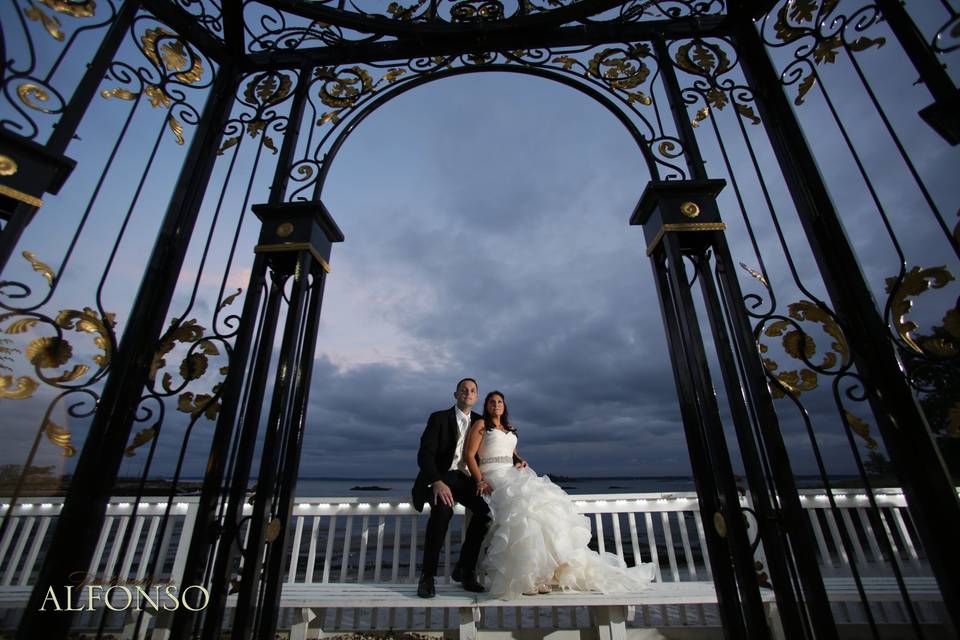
[{"x": 435, "y": 456}]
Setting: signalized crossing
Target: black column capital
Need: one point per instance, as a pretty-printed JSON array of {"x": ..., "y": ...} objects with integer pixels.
[
  {"x": 291, "y": 227},
  {"x": 687, "y": 206}
]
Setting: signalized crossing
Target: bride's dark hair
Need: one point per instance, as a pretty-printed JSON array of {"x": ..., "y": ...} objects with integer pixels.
[{"x": 504, "y": 419}]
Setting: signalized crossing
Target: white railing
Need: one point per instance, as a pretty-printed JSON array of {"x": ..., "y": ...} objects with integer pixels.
[{"x": 379, "y": 539}]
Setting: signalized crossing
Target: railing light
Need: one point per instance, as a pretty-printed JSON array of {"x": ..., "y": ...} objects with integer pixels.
[
  {"x": 404, "y": 505},
  {"x": 161, "y": 505},
  {"x": 383, "y": 505},
  {"x": 363, "y": 505},
  {"x": 46, "y": 505},
  {"x": 182, "y": 505}
]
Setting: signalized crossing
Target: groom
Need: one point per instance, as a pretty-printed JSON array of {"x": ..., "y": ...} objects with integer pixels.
[{"x": 443, "y": 481}]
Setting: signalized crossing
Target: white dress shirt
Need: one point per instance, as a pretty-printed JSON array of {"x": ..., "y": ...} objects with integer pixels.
[{"x": 463, "y": 425}]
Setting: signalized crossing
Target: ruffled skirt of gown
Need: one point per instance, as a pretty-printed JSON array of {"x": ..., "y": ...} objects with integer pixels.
[{"x": 538, "y": 537}]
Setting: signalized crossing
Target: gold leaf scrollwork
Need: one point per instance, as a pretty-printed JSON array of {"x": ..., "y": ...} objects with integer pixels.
[
  {"x": 17, "y": 388},
  {"x": 702, "y": 114},
  {"x": 49, "y": 352},
  {"x": 805, "y": 85},
  {"x": 50, "y": 23},
  {"x": 184, "y": 332},
  {"x": 40, "y": 267},
  {"x": 915, "y": 282},
  {"x": 176, "y": 128},
  {"x": 273, "y": 529},
  {"x": 747, "y": 112},
  {"x": 401, "y": 12},
  {"x": 702, "y": 58},
  {"x": 756, "y": 274},
  {"x": 173, "y": 57},
  {"x": 201, "y": 404},
  {"x": 230, "y": 298},
  {"x": 621, "y": 69},
  {"x": 73, "y": 8},
  {"x": 119, "y": 92},
  {"x": 157, "y": 96},
  {"x": 143, "y": 437},
  {"x": 59, "y": 436},
  {"x": 860, "y": 428},
  {"x": 801, "y": 346},
  {"x": 27, "y": 91},
  {"x": 268, "y": 89},
  {"x": 90, "y": 321},
  {"x": 21, "y": 326},
  {"x": 227, "y": 144}
]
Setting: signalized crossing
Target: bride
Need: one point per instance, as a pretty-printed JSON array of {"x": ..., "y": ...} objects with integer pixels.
[{"x": 538, "y": 540}]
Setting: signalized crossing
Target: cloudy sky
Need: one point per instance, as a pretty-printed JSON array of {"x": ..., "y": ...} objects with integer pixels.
[{"x": 486, "y": 222}]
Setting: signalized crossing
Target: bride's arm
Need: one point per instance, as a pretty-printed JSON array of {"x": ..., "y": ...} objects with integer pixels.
[
  {"x": 518, "y": 462},
  {"x": 470, "y": 449}
]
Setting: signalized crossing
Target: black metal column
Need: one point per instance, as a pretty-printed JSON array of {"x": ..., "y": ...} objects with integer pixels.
[
  {"x": 738, "y": 546},
  {"x": 208, "y": 531},
  {"x": 290, "y": 464},
  {"x": 263, "y": 533},
  {"x": 731, "y": 617},
  {"x": 930, "y": 494},
  {"x": 772, "y": 525},
  {"x": 78, "y": 527},
  {"x": 786, "y": 531}
]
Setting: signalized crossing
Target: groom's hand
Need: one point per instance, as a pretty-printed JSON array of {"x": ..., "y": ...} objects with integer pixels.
[{"x": 442, "y": 493}]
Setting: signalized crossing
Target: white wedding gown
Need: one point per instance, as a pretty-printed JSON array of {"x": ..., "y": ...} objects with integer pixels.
[{"x": 537, "y": 535}]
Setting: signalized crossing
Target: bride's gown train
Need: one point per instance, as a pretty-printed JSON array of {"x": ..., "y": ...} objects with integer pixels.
[{"x": 538, "y": 537}]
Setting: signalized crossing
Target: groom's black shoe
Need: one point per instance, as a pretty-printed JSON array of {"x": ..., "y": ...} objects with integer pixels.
[
  {"x": 425, "y": 588},
  {"x": 467, "y": 579}
]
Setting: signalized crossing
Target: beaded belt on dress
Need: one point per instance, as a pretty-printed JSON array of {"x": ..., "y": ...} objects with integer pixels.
[{"x": 496, "y": 459}]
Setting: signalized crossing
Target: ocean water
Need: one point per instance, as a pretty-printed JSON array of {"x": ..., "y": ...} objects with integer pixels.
[{"x": 400, "y": 487}]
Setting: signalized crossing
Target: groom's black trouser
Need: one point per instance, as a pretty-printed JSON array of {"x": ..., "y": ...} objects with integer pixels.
[{"x": 464, "y": 491}]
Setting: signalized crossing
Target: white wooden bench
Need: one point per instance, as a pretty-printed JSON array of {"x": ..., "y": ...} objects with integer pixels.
[{"x": 374, "y": 544}]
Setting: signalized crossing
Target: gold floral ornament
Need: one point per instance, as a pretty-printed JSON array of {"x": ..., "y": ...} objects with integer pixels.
[
  {"x": 263, "y": 91},
  {"x": 50, "y": 352},
  {"x": 176, "y": 61},
  {"x": 40, "y": 267},
  {"x": 401, "y": 12},
  {"x": 143, "y": 437},
  {"x": 917, "y": 281},
  {"x": 620, "y": 69},
  {"x": 342, "y": 89},
  {"x": 29, "y": 93},
  {"x": 192, "y": 366},
  {"x": 51, "y": 23},
  {"x": 59, "y": 436},
  {"x": 800, "y": 18},
  {"x": 860, "y": 428},
  {"x": 799, "y": 345},
  {"x": 17, "y": 388},
  {"x": 709, "y": 61}
]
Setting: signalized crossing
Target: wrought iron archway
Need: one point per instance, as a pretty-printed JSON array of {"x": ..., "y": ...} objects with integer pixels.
[{"x": 295, "y": 70}]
